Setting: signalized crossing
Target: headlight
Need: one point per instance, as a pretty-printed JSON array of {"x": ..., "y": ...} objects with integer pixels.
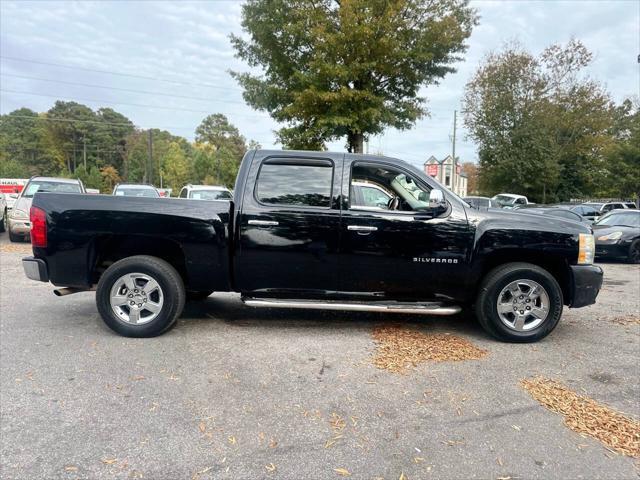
[
  {"x": 19, "y": 215},
  {"x": 586, "y": 249},
  {"x": 611, "y": 236}
]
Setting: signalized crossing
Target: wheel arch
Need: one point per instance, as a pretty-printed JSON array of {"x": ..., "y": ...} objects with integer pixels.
[
  {"x": 108, "y": 249},
  {"x": 556, "y": 265}
]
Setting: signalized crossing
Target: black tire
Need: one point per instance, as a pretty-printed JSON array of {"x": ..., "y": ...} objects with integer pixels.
[
  {"x": 15, "y": 238},
  {"x": 490, "y": 291},
  {"x": 3, "y": 221},
  {"x": 634, "y": 252},
  {"x": 198, "y": 296},
  {"x": 171, "y": 285}
]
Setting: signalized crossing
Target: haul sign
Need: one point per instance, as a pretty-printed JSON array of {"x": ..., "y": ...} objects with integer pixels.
[
  {"x": 12, "y": 185},
  {"x": 432, "y": 170}
]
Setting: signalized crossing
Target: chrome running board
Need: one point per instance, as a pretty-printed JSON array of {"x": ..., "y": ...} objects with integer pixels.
[{"x": 432, "y": 308}]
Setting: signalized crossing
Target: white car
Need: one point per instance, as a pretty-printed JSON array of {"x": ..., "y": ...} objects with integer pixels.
[
  {"x": 18, "y": 219},
  {"x": 3, "y": 212},
  {"x": 509, "y": 200},
  {"x": 205, "y": 192}
]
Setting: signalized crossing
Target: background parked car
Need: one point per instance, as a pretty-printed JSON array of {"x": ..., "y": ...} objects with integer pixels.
[
  {"x": 206, "y": 192},
  {"x": 554, "y": 212},
  {"x": 135, "y": 190},
  {"x": 479, "y": 202},
  {"x": 18, "y": 218},
  {"x": 604, "y": 207},
  {"x": 3, "y": 212},
  {"x": 509, "y": 200},
  {"x": 367, "y": 195},
  {"x": 617, "y": 235}
]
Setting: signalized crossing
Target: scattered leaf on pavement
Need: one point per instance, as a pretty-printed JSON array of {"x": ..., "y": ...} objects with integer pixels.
[
  {"x": 585, "y": 416},
  {"x": 399, "y": 348},
  {"x": 343, "y": 472}
]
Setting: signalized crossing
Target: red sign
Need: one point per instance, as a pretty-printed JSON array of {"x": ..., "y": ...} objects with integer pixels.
[
  {"x": 432, "y": 170},
  {"x": 12, "y": 185}
]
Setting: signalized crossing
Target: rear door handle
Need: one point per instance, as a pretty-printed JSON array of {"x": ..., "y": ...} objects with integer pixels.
[
  {"x": 361, "y": 228},
  {"x": 263, "y": 223}
]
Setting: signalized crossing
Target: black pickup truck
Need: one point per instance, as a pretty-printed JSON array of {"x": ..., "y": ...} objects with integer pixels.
[{"x": 315, "y": 230}]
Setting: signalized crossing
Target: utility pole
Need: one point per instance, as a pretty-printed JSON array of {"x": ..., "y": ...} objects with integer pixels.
[
  {"x": 149, "y": 173},
  {"x": 453, "y": 153},
  {"x": 84, "y": 152}
]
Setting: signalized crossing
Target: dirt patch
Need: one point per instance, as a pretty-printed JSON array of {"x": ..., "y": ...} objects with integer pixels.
[
  {"x": 24, "y": 249},
  {"x": 586, "y": 416},
  {"x": 399, "y": 348},
  {"x": 626, "y": 320}
]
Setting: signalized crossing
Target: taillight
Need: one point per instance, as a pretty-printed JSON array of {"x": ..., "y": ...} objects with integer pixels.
[{"x": 38, "y": 227}]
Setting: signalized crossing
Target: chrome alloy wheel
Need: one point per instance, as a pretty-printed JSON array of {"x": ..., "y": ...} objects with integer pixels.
[
  {"x": 136, "y": 298},
  {"x": 523, "y": 305}
]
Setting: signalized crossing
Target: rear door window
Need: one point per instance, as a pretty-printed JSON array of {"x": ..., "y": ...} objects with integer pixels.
[{"x": 304, "y": 183}]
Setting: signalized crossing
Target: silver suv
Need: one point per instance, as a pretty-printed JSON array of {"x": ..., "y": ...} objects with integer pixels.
[{"x": 18, "y": 220}]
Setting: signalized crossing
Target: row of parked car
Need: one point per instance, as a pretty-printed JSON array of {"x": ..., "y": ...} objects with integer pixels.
[
  {"x": 616, "y": 225},
  {"x": 15, "y": 208}
]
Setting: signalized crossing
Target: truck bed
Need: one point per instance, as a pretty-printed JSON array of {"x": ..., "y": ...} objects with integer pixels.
[{"x": 88, "y": 232}]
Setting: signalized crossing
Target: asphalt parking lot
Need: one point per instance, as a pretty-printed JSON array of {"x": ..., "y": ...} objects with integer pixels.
[{"x": 234, "y": 392}]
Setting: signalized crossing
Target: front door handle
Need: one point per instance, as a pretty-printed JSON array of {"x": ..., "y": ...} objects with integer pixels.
[
  {"x": 362, "y": 228},
  {"x": 263, "y": 223}
]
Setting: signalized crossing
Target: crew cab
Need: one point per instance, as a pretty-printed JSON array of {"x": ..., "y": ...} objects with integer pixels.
[{"x": 293, "y": 236}]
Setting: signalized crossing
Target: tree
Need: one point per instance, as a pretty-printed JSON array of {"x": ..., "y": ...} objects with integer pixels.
[
  {"x": 219, "y": 150},
  {"x": 470, "y": 169},
  {"x": 622, "y": 156},
  {"x": 540, "y": 128},
  {"x": 336, "y": 68},
  {"x": 174, "y": 167},
  {"x": 110, "y": 177}
]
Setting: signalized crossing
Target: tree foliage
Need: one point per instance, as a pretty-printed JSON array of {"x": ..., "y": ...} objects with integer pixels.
[
  {"x": 541, "y": 128},
  {"x": 103, "y": 147},
  {"x": 336, "y": 68}
]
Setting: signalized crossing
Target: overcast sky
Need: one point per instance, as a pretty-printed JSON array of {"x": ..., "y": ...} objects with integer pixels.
[{"x": 169, "y": 50}]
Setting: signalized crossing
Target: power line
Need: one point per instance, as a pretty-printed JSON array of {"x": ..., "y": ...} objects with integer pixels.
[
  {"x": 108, "y": 72},
  {"x": 73, "y": 120},
  {"x": 122, "y": 103},
  {"x": 146, "y": 92}
]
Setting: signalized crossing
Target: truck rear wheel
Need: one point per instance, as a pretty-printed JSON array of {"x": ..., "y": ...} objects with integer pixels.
[
  {"x": 140, "y": 296},
  {"x": 519, "y": 302}
]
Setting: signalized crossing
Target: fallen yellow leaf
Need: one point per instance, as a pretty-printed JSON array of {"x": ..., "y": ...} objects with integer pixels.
[
  {"x": 109, "y": 461},
  {"x": 343, "y": 472},
  {"x": 232, "y": 440},
  {"x": 71, "y": 468},
  {"x": 271, "y": 467},
  {"x": 402, "y": 476},
  {"x": 202, "y": 426}
]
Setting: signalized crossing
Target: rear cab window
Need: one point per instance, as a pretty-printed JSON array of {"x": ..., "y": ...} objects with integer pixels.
[{"x": 295, "y": 182}]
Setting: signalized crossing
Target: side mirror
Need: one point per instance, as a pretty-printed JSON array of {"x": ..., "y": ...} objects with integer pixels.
[
  {"x": 436, "y": 200},
  {"x": 13, "y": 195}
]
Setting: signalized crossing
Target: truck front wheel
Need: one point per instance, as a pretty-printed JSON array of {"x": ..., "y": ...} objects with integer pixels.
[
  {"x": 519, "y": 302},
  {"x": 140, "y": 296}
]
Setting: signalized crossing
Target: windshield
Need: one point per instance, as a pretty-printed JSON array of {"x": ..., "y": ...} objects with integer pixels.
[
  {"x": 503, "y": 200},
  {"x": 210, "y": 194},
  {"x": 627, "y": 219},
  {"x": 137, "y": 192},
  {"x": 50, "y": 186}
]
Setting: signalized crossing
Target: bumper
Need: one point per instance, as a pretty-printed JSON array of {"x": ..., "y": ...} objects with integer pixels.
[
  {"x": 35, "y": 269},
  {"x": 585, "y": 285},
  {"x": 612, "y": 250},
  {"x": 19, "y": 227}
]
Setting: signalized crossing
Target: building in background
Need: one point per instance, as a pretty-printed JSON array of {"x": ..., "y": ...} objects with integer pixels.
[{"x": 442, "y": 171}]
